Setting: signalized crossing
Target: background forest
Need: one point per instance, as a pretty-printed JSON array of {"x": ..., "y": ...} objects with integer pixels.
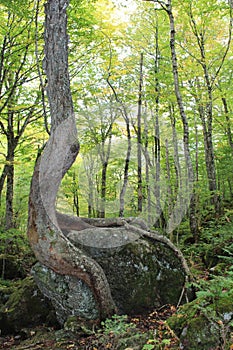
[{"x": 152, "y": 94}]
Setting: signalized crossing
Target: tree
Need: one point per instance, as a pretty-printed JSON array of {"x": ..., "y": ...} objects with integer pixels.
[
  {"x": 139, "y": 136},
  {"x": 100, "y": 119},
  {"x": 167, "y": 7},
  {"x": 49, "y": 244},
  {"x": 17, "y": 77},
  {"x": 205, "y": 99}
]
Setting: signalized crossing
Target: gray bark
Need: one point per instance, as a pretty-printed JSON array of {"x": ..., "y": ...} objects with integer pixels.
[
  {"x": 190, "y": 172},
  {"x": 49, "y": 244},
  {"x": 228, "y": 122},
  {"x": 206, "y": 109},
  {"x": 139, "y": 136},
  {"x": 45, "y": 225}
]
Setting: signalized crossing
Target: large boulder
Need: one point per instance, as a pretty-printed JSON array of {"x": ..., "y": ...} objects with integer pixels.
[{"x": 143, "y": 272}]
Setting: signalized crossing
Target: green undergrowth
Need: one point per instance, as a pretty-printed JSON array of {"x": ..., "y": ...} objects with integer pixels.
[
  {"x": 16, "y": 257},
  {"x": 207, "y": 321},
  {"x": 204, "y": 323},
  {"x": 214, "y": 250}
]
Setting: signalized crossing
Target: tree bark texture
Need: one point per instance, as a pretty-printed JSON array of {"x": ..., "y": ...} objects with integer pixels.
[
  {"x": 206, "y": 113},
  {"x": 49, "y": 244},
  {"x": 139, "y": 136},
  {"x": 190, "y": 172},
  {"x": 160, "y": 222},
  {"x": 228, "y": 124},
  {"x": 126, "y": 168},
  {"x": 47, "y": 229}
]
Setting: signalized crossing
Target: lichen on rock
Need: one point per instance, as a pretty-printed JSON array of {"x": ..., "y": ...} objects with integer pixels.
[
  {"x": 69, "y": 295},
  {"x": 142, "y": 274},
  {"x": 205, "y": 323}
]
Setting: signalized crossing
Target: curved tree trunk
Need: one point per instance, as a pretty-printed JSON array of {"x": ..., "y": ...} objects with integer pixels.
[
  {"x": 49, "y": 244},
  {"x": 47, "y": 228}
]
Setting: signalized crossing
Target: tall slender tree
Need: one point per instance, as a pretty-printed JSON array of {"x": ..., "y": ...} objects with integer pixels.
[
  {"x": 167, "y": 7},
  {"x": 17, "y": 72},
  {"x": 139, "y": 136}
]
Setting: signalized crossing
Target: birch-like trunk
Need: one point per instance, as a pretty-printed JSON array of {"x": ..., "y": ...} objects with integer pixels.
[
  {"x": 139, "y": 136},
  {"x": 228, "y": 122},
  {"x": 190, "y": 172}
]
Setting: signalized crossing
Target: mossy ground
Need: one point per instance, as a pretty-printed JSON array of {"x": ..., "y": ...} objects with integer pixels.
[
  {"x": 205, "y": 323},
  {"x": 117, "y": 333}
]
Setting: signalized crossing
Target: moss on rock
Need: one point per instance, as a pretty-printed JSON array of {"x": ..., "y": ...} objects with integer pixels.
[
  {"x": 69, "y": 295},
  {"x": 24, "y": 306},
  {"x": 205, "y": 323},
  {"x": 142, "y": 274}
]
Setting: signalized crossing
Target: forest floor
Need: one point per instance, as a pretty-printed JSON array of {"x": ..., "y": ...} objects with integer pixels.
[
  {"x": 211, "y": 266},
  {"x": 152, "y": 326}
]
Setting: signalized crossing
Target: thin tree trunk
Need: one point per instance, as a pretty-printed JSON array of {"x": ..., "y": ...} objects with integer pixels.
[
  {"x": 89, "y": 169},
  {"x": 128, "y": 152},
  {"x": 209, "y": 152},
  {"x": 126, "y": 168},
  {"x": 179, "y": 185},
  {"x": 177, "y": 166},
  {"x": 196, "y": 151},
  {"x": 105, "y": 159},
  {"x": 101, "y": 213},
  {"x": 169, "y": 189},
  {"x": 228, "y": 123},
  {"x": 2, "y": 180},
  {"x": 160, "y": 222},
  {"x": 7, "y": 175},
  {"x": 9, "y": 214},
  {"x": 11, "y": 144},
  {"x": 139, "y": 136},
  {"x": 75, "y": 195},
  {"x": 190, "y": 173},
  {"x": 207, "y": 113},
  {"x": 147, "y": 170}
]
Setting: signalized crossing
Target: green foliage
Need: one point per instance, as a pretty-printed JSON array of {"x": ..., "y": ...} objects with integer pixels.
[
  {"x": 102, "y": 45},
  {"x": 163, "y": 337},
  {"x": 211, "y": 264},
  {"x": 117, "y": 325},
  {"x": 12, "y": 242},
  {"x": 117, "y": 333},
  {"x": 210, "y": 314},
  {"x": 212, "y": 290},
  {"x": 228, "y": 257},
  {"x": 214, "y": 248},
  {"x": 148, "y": 346},
  {"x": 156, "y": 344},
  {"x": 17, "y": 7},
  {"x": 16, "y": 257}
]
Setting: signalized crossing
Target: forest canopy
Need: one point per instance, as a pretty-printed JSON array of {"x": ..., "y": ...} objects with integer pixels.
[{"x": 134, "y": 139}]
